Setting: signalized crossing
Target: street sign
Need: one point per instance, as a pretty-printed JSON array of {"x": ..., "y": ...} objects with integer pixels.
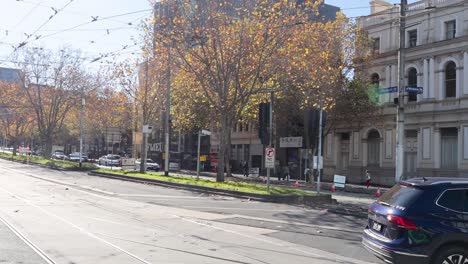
[
  {"x": 413, "y": 89},
  {"x": 270, "y": 158},
  {"x": 291, "y": 142},
  {"x": 147, "y": 129},
  {"x": 393, "y": 89}
]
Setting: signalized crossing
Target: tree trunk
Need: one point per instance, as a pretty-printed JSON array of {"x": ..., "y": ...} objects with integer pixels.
[
  {"x": 15, "y": 146},
  {"x": 48, "y": 146},
  {"x": 228, "y": 153},
  {"x": 222, "y": 147}
]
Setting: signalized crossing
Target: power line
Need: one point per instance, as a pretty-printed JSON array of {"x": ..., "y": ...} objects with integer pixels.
[
  {"x": 70, "y": 12},
  {"x": 94, "y": 20},
  {"x": 28, "y": 36}
]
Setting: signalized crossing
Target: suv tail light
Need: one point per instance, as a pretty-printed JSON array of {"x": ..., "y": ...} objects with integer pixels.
[{"x": 402, "y": 222}]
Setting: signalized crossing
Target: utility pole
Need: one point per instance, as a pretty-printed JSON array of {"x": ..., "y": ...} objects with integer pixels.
[
  {"x": 319, "y": 151},
  {"x": 81, "y": 125},
  {"x": 168, "y": 95},
  {"x": 270, "y": 138},
  {"x": 198, "y": 154},
  {"x": 168, "y": 113},
  {"x": 400, "y": 129}
]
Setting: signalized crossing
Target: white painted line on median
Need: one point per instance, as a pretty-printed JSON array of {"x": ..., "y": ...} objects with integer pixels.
[{"x": 27, "y": 241}]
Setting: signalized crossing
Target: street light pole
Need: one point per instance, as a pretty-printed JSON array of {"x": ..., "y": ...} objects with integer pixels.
[
  {"x": 400, "y": 129},
  {"x": 168, "y": 113},
  {"x": 81, "y": 125},
  {"x": 198, "y": 154},
  {"x": 270, "y": 138},
  {"x": 319, "y": 151}
]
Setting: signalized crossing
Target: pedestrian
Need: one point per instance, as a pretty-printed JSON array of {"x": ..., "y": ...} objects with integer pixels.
[
  {"x": 368, "y": 179},
  {"x": 246, "y": 169},
  {"x": 286, "y": 173}
]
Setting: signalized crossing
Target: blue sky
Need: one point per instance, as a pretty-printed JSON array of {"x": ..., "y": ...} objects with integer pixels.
[{"x": 19, "y": 18}]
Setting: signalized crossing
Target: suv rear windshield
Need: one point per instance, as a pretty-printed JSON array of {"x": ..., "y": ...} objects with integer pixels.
[{"x": 400, "y": 196}]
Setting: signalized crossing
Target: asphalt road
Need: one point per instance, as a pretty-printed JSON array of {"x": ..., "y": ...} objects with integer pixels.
[{"x": 70, "y": 217}]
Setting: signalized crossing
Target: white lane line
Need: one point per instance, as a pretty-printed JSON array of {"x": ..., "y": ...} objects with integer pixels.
[
  {"x": 244, "y": 209},
  {"x": 82, "y": 230},
  {"x": 27, "y": 241}
]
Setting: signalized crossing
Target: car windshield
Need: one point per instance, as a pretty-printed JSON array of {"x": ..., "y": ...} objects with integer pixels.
[
  {"x": 400, "y": 196},
  {"x": 113, "y": 157}
]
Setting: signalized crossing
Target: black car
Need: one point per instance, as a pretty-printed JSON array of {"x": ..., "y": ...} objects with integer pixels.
[{"x": 422, "y": 220}]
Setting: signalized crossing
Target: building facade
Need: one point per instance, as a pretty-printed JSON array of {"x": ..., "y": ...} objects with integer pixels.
[{"x": 436, "y": 121}]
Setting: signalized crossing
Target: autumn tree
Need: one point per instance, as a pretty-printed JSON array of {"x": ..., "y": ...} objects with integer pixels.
[
  {"x": 16, "y": 118},
  {"x": 144, "y": 82},
  {"x": 226, "y": 46},
  {"x": 52, "y": 83}
]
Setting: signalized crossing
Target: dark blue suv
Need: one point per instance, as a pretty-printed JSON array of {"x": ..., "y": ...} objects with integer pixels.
[{"x": 422, "y": 220}]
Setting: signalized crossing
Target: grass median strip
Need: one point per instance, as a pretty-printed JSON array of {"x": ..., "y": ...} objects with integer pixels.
[
  {"x": 50, "y": 162},
  {"x": 227, "y": 185}
]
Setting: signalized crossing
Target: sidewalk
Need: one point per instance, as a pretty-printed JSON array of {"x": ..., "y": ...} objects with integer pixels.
[{"x": 325, "y": 186}]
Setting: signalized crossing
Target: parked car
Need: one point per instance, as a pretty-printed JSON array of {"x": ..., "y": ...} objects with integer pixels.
[
  {"x": 58, "y": 154},
  {"x": 422, "y": 220},
  {"x": 150, "y": 165},
  {"x": 109, "y": 160},
  {"x": 76, "y": 157}
]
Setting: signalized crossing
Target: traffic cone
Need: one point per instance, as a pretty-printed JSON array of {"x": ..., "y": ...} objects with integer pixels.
[
  {"x": 296, "y": 184},
  {"x": 333, "y": 189},
  {"x": 377, "y": 194}
]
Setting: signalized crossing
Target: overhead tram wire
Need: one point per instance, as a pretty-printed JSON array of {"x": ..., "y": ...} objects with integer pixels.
[
  {"x": 22, "y": 19},
  {"x": 70, "y": 12},
  {"x": 95, "y": 19},
  {"x": 28, "y": 36}
]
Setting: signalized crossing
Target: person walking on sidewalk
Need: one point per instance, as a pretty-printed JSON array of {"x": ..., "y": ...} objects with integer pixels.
[
  {"x": 368, "y": 179},
  {"x": 246, "y": 169},
  {"x": 286, "y": 173}
]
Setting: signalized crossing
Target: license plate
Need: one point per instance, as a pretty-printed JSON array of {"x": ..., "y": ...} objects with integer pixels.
[{"x": 377, "y": 226}]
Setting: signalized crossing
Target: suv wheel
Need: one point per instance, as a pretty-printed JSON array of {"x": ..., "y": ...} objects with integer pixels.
[{"x": 451, "y": 255}]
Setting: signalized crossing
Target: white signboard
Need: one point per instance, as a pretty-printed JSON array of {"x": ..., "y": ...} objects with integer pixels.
[
  {"x": 291, "y": 142},
  {"x": 270, "y": 158},
  {"x": 320, "y": 162},
  {"x": 339, "y": 181},
  {"x": 128, "y": 163},
  {"x": 254, "y": 172},
  {"x": 147, "y": 129}
]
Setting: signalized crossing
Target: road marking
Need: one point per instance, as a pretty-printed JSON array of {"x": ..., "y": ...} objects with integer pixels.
[
  {"x": 245, "y": 209},
  {"x": 82, "y": 230},
  {"x": 27, "y": 241}
]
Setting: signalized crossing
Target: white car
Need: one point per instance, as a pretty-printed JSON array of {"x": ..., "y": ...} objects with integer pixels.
[{"x": 150, "y": 165}]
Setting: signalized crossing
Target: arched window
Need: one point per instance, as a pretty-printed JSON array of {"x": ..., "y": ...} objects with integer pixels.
[
  {"x": 412, "y": 82},
  {"x": 373, "y": 148},
  {"x": 450, "y": 80}
]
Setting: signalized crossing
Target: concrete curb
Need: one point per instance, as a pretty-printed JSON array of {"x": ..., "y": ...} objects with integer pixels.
[
  {"x": 49, "y": 166},
  {"x": 350, "y": 188},
  {"x": 286, "y": 199}
]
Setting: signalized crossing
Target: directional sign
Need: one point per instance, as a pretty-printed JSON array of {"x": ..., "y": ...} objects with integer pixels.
[
  {"x": 393, "y": 89},
  {"x": 270, "y": 158},
  {"x": 413, "y": 89}
]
